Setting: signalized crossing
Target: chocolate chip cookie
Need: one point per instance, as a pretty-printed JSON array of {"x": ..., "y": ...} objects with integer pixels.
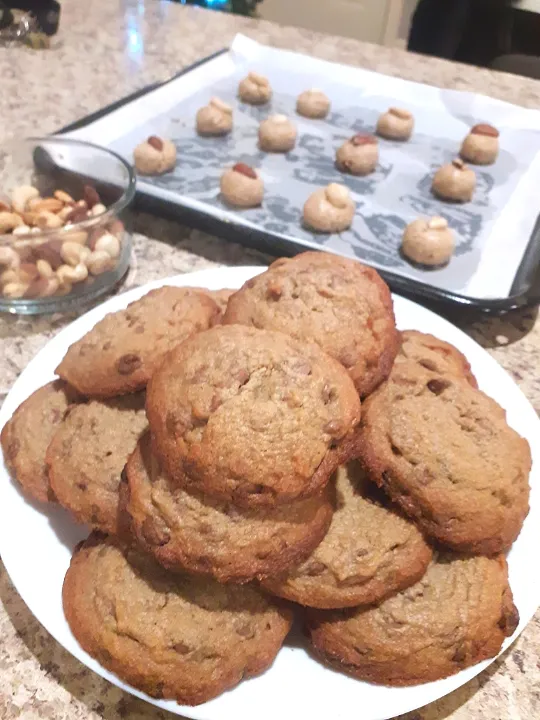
[
  {"x": 123, "y": 350},
  {"x": 434, "y": 355},
  {"x": 444, "y": 452},
  {"x": 196, "y": 533},
  {"x": 369, "y": 552},
  {"x": 457, "y": 615},
  {"x": 250, "y": 415},
  {"x": 172, "y": 636},
  {"x": 87, "y": 455},
  {"x": 26, "y": 436},
  {"x": 343, "y": 306}
]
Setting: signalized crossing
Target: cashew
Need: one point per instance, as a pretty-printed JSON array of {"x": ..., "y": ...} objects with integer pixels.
[
  {"x": 64, "y": 288},
  {"x": 99, "y": 262},
  {"x": 14, "y": 290},
  {"x": 79, "y": 236},
  {"x": 63, "y": 196},
  {"x": 85, "y": 254},
  {"x": 8, "y": 257},
  {"x": 71, "y": 253},
  {"x": 110, "y": 244},
  {"x": 22, "y": 195},
  {"x": 98, "y": 209},
  {"x": 44, "y": 269},
  {"x": 48, "y": 220},
  {"x": 22, "y": 230},
  {"x": 8, "y": 221},
  {"x": 72, "y": 274}
]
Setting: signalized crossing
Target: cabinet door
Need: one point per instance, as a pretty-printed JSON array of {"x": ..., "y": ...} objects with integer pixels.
[{"x": 360, "y": 19}]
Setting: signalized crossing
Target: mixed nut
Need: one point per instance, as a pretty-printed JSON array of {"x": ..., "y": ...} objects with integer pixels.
[{"x": 38, "y": 265}]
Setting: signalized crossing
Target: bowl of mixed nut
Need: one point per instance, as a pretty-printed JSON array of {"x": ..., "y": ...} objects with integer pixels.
[{"x": 63, "y": 237}]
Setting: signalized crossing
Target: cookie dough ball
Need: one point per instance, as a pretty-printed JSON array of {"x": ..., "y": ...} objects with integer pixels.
[
  {"x": 277, "y": 134},
  {"x": 454, "y": 181},
  {"x": 359, "y": 155},
  {"x": 428, "y": 242},
  {"x": 313, "y": 104},
  {"x": 395, "y": 124},
  {"x": 154, "y": 156},
  {"x": 330, "y": 209},
  {"x": 242, "y": 186},
  {"x": 255, "y": 89},
  {"x": 216, "y": 118},
  {"x": 481, "y": 146}
]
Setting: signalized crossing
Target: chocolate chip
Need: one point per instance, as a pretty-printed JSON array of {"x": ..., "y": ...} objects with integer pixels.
[
  {"x": 127, "y": 364},
  {"x": 245, "y": 630},
  {"x": 438, "y": 386},
  {"x": 181, "y": 648},
  {"x": 333, "y": 428}
]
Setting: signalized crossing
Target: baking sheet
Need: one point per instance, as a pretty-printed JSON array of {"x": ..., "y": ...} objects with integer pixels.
[{"x": 492, "y": 231}]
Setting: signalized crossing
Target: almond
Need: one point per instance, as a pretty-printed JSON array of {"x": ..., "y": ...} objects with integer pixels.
[
  {"x": 155, "y": 142},
  {"x": 244, "y": 169},
  {"x": 363, "y": 139},
  {"x": 48, "y": 204},
  {"x": 485, "y": 129},
  {"x": 64, "y": 197},
  {"x": 50, "y": 251},
  {"x": 91, "y": 196}
]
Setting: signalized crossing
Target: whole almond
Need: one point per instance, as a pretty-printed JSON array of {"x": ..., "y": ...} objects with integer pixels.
[
  {"x": 155, "y": 142},
  {"x": 485, "y": 129},
  {"x": 48, "y": 204},
  {"x": 363, "y": 139},
  {"x": 244, "y": 169},
  {"x": 4, "y": 207},
  {"x": 64, "y": 197},
  {"x": 91, "y": 196},
  {"x": 50, "y": 251}
]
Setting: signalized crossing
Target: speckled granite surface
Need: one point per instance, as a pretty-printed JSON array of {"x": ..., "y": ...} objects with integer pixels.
[{"x": 106, "y": 49}]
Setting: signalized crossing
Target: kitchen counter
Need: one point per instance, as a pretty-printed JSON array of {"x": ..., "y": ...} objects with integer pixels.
[{"x": 105, "y": 50}]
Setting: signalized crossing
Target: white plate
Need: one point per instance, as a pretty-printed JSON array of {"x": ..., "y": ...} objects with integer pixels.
[{"x": 36, "y": 545}]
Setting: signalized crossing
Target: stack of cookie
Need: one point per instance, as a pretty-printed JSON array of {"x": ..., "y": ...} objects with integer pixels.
[{"x": 239, "y": 455}]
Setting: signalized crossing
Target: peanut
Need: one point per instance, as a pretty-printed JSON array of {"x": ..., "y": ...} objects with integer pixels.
[
  {"x": 99, "y": 262},
  {"x": 14, "y": 290},
  {"x": 110, "y": 244},
  {"x": 21, "y": 196},
  {"x": 8, "y": 276},
  {"x": 77, "y": 236},
  {"x": 9, "y": 221},
  {"x": 44, "y": 269},
  {"x": 71, "y": 253}
]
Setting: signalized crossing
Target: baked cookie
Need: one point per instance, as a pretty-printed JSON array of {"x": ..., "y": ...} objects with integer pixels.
[
  {"x": 277, "y": 134},
  {"x": 444, "y": 452},
  {"x": 242, "y": 186},
  {"x": 369, "y": 552},
  {"x": 26, "y": 436},
  {"x": 330, "y": 209},
  {"x": 255, "y": 89},
  {"x": 428, "y": 241},
  {"x": 196, "y": 533},
  {"x": 250, "y": 415},
  {"x": 313, "y": 104},
  {"x": 87, "y": 455},
  {"x": 457, "y": 615},
  {"x": 122, "y": 351},
  {"x": 359, "y": 155},
  {"x": 174, "y": 636},
  {"x": 454, "y": 181},
  {"x": 155, "y": 156},
  {"x": 343, "y": 306},
  {"x": 216, "y": 118},
  {"x": 481, "y": 145},
  {"x": 434, "y": 355},
  {"x": 395, "y": 124}
]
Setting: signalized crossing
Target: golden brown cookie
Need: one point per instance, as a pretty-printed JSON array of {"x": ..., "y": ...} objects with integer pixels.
[
  {"x": 343, "y": 306},
  {"x": 369, "y": 552},
  {"x": 250, "y": 415},
  {"x": 444, "y": 452},
  {"x": 172, "y": 636},
  {"x": 88, "y": 453},
  {"x": 434, "y": 355},
  {"x": 26, "y": 436},
  {"x": 196, "y": 533},
  {"x": 457, "y": 615},
  {"x": 122, "y": 351}
]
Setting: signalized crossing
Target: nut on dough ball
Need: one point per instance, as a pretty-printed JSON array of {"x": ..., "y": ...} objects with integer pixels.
[
  {"x": 313, "y": 104},
  {"x": 154, "y": 156},
  {"x": 481, "y": 145},
  {"x": 358, "y": 155},
  {"x": 242, "y": 186},
  {"x": 454, "y": 181},
  {"x": 428, "y": 242},
  {"x": 330, "y": 209},
  {"x": 277, "y": 134},
  {"x": 255, "y": 89},
  {"x": 216, "y": 118},
  {"x": 395, "y": 124}
]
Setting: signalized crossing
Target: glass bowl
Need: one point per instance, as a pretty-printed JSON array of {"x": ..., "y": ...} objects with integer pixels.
[{"x": 63, "y": 236}]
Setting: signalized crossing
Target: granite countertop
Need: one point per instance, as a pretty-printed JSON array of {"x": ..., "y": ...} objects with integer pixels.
[{"x": 105, "y": 50}]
